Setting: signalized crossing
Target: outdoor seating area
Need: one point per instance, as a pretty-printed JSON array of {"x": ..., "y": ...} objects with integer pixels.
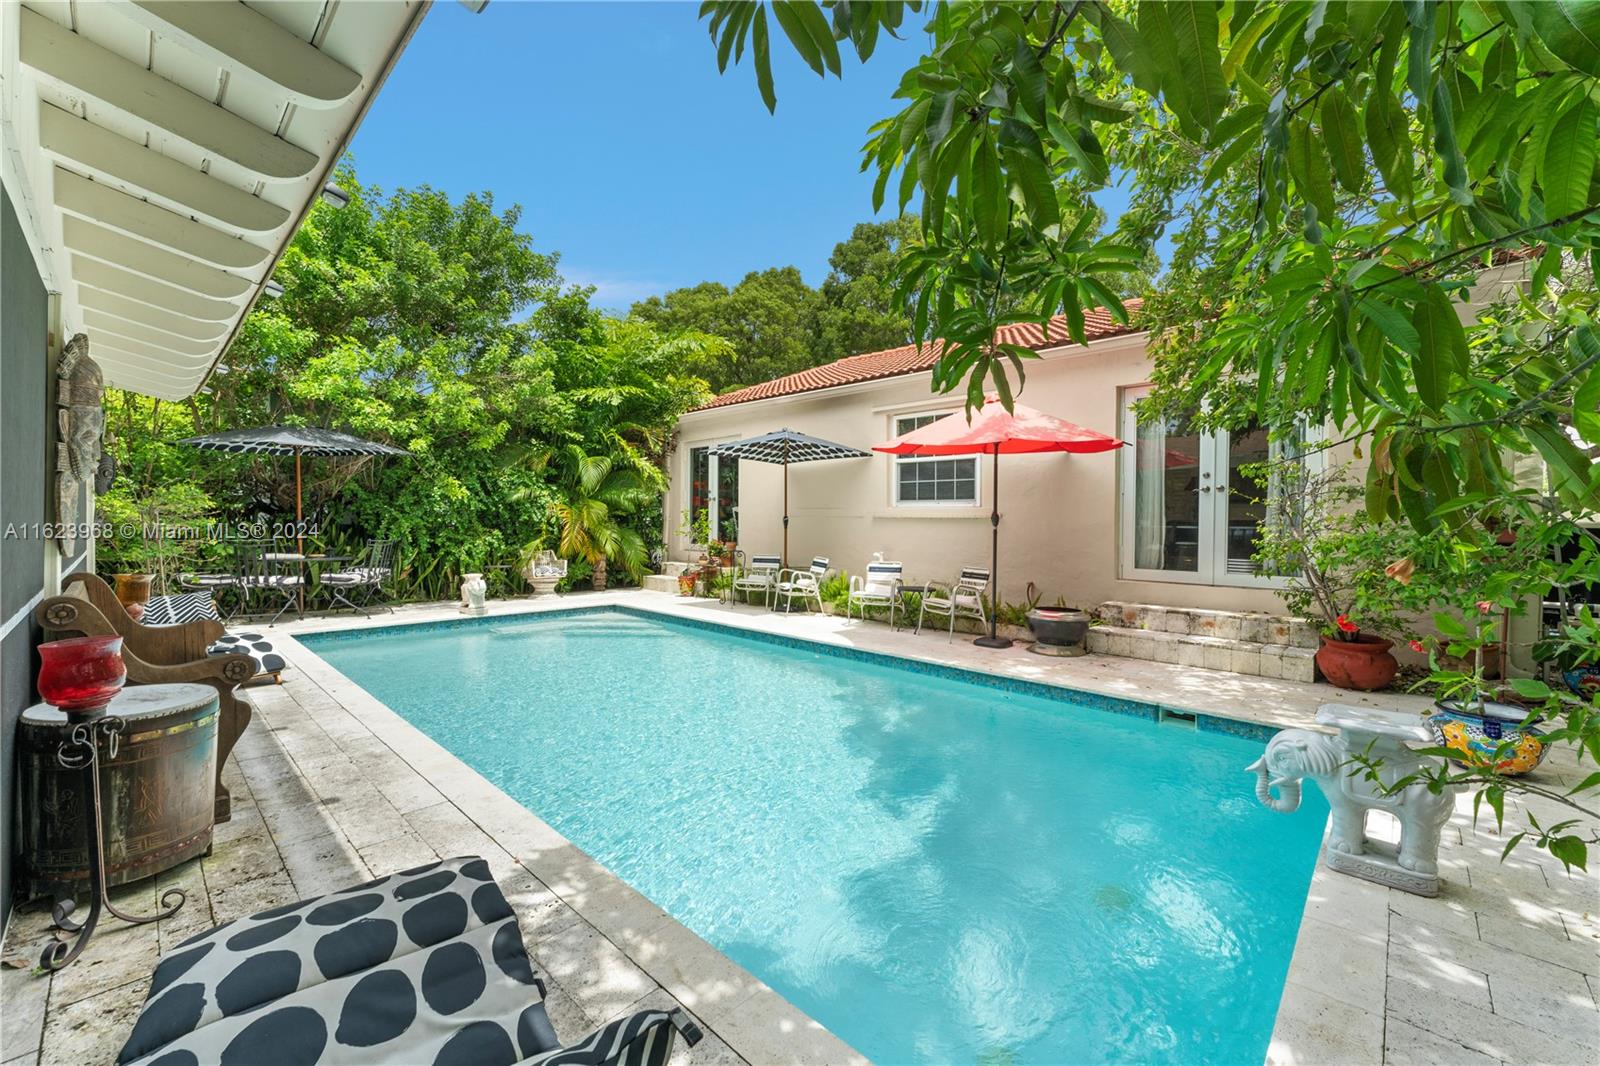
[{"x": 1098, "y": 566}]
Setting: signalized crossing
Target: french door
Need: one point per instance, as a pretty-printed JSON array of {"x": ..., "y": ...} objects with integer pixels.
[
  {"x": 714, "y": 492},
  {"x": 1189, "y": 512}
]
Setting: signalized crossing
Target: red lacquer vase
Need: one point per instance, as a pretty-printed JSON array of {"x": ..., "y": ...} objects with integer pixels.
[{"x": 81, "y": 674}]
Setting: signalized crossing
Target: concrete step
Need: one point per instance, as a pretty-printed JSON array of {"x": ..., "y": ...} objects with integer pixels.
[
  {"x": 661, "y": 582},
  {"x": 1205, "y": 652},
  {"x": 672, "y": 570},
  {"x": 1254, "y": 627}
]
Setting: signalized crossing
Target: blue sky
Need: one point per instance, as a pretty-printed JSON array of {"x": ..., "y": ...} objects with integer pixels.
[{"x": 630, "y": 154}]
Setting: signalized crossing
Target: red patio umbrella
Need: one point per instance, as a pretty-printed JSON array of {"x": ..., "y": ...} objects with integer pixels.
[{"x": 991, "y": 431}]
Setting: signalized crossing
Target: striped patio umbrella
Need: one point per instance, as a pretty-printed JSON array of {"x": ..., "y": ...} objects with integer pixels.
[
  {"x": 296, "y": 441},
  {"x": 787, "y": 446}
]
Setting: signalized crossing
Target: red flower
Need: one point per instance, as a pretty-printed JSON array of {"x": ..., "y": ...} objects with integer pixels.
[
  {"x": 1345, "y": 625},
  {"x": 1485, "y": 606},
  {"x": 1416, "y": 645}
]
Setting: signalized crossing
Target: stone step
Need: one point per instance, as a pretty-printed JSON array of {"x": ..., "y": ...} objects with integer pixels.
[
  {"x": 1254, "y": 627},
  {"x": 1206, "y": 653},
  {"x": 672, "y": 570},
  {"x": 661, "y": 583}
]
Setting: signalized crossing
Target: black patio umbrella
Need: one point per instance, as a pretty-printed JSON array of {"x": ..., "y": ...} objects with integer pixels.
[
  {"x": 786, "y": 446},
  {"x": 296, "y": 441}
]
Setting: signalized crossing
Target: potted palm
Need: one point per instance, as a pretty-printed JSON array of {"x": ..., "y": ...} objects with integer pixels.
[{"x": 596, "y": 495}]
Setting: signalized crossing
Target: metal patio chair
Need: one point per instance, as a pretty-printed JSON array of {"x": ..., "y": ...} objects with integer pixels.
[
  {"x": 964, "y": 597},
  {"x": 804, "y": 584},
  {"x": 879, "y": 588},
  {"x": 266, "y": 568},
  {"x": 759, "y": 575},
  {"x": 369, "y": 578}
]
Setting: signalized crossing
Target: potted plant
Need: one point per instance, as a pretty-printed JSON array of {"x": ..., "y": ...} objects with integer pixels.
[
  {"x": 1334, "y": 559},
  {"x": 1466, "y": 718},
  {"x": 1575, "y": 659}
]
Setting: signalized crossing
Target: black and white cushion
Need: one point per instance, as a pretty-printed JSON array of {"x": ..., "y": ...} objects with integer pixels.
[
  {"x": 357, "y": 575},
  {"x": 180, "y": 608},
  {"x": 255, "y": 645},
  {"x": 425, "y": 966}
]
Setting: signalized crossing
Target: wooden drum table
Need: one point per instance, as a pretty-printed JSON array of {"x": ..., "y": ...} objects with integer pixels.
[{"x": 157, "y": 787}]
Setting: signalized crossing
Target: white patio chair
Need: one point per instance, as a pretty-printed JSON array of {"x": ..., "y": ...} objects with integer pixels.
[
  {"x": 759, "y": 575},
  {"x": 879, "y": 588},
  {"x": 964, "y": 597},
  {"x": 805, "y": 584}
]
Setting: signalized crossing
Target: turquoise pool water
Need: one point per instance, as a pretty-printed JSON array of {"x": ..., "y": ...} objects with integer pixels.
[{"x": 937, "y": 870}]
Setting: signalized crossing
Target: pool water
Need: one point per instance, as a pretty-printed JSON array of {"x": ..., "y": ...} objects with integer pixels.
[{"x": 937, "y": 870}]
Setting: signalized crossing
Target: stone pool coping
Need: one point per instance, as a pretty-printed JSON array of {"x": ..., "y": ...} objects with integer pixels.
[{"x": 1351, "y": 994}]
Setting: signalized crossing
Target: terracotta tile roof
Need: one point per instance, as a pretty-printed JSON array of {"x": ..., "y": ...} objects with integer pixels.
[{"x": 893, "y": 362}]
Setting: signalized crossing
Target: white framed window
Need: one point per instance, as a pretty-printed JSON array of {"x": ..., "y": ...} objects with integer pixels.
[
  {"x": 932, "y": 481},
  {"x": 1190, "y": 511}
]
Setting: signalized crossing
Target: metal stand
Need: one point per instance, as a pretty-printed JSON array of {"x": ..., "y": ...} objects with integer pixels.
[
  {"x": 59, "y": 953},
  {"x": 990, "y": 640}
]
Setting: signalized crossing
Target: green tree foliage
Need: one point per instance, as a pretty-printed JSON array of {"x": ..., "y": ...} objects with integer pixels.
[
  {"x": 857, "y": 310},
  {"x": 776, "y": 324},
  {"x": 1339, "y": 176},
  {"x": 767, "y": 319},
  {"x": 435, "y": 326}
]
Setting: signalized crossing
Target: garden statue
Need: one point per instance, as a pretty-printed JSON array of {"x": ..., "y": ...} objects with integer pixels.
[
  {"x": 1327, "y": 759},
  {"x": 473, "y": 590},
  {"x": 544, "y": 571},
  {"x": 80, "y": 421}
]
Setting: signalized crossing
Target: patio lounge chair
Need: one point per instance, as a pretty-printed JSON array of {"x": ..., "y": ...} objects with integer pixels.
[
  {"x": 157, "y": 654},
  {"x": 367, "y": 579},
  {"x": 179, "y": 608},
  {"x": 424, "y": 966},
  {"x": 759, "y": 575},
  {"x": 805, "y": 584},
  {"x": 880, "y": 588},
  {"x": 964, "y": 597}
]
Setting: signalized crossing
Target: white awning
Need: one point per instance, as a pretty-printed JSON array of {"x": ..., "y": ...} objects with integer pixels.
[{"x": 163, "y": 152}]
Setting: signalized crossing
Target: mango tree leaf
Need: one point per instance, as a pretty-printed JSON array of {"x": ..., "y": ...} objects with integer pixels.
[
  {"x": 1441, "y": 349},
  {"x": 1391, "y": 323},
  {"x": 1570, "y": 29},
  {"x": 1567, "y": 170},
  {"x": 1194, "y": 33},
  {"x": 762, "y": 56},
  {"x": 1342, "y": 135}
]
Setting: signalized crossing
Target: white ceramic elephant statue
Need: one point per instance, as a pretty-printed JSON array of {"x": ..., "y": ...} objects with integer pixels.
[{"x": 1295, "y": 754}]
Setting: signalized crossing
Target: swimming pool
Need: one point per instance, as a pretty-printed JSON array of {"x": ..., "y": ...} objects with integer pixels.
[{"x": 938, "y": 870}]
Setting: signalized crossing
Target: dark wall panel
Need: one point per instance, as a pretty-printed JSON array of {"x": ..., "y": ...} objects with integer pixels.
[{"x": 25, "y": 402}]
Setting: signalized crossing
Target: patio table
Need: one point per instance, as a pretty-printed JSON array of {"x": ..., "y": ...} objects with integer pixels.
[
  {"x": 305, "y": 560},
  {"x": 902, "y": 589}
]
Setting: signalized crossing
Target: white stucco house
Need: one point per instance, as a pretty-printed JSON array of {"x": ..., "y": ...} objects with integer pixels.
[{"x": 1166, "y": 520}]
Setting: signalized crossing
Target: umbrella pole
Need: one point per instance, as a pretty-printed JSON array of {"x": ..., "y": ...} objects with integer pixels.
[
  {"x": 993, "y": 640},
  {"x": 786, "y": 504},
  {"x": 299, "y": 537}
]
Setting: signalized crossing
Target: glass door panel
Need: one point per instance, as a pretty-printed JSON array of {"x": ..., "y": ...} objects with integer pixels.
[
  {"x": 727, "y": 524},
  {"x": 1245, "y": 498},
  {"x": 1167, "y": 496}
]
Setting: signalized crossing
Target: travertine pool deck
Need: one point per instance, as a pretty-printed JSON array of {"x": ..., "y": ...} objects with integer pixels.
[{"x": 331, "y": 787}]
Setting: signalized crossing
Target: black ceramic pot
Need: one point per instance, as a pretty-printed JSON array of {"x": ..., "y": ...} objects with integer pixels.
[{"x": 1058, "y": 631}]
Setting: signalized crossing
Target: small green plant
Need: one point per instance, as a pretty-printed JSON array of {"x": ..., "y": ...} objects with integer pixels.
[
  {"x": 696, "y": 527},
  {"x": 835, "y": 590},
  {"x": 1016, "y": 614}
]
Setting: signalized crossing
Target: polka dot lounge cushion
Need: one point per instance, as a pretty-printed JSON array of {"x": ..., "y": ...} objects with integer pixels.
[
  {"x": 425, "y": 966},
  {"x": 253, "y": 644}
]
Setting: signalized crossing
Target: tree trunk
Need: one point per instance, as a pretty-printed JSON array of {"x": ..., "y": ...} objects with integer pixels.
[{"x": 599, "y": 580}]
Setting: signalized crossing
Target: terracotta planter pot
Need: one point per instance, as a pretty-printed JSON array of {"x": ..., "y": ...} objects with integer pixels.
[
  {"x": 1363, "y": 664},
  {"x": 133, "y": 592}
]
